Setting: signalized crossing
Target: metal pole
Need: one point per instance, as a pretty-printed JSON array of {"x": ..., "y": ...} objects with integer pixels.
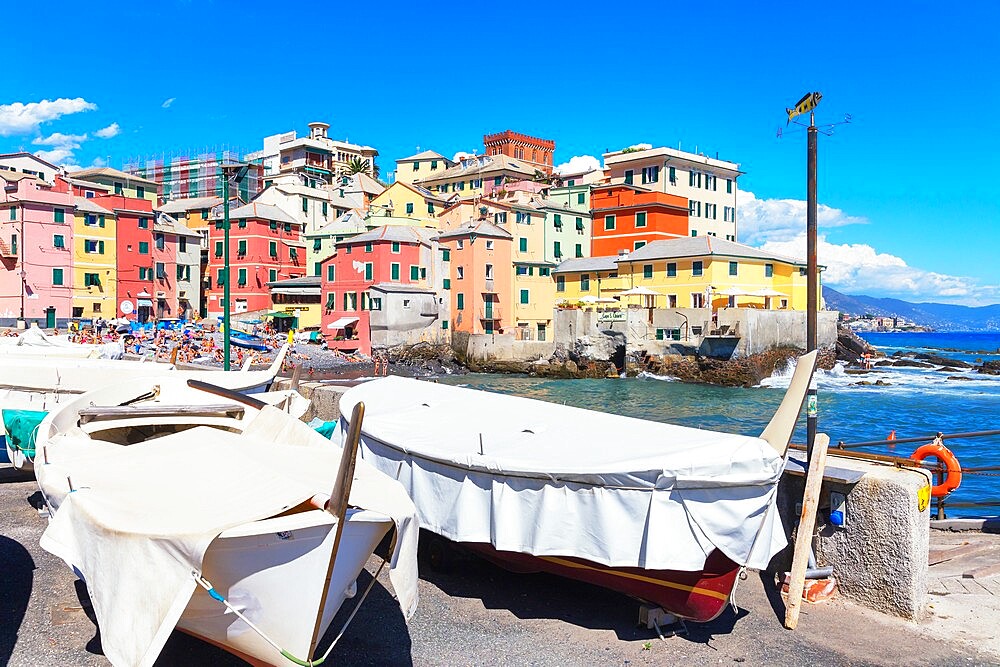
[
  {"x": 225, "y": 258},
  {"x": 812, "y": 276}
]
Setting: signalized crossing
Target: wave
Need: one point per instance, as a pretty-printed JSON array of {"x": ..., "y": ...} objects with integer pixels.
[
  {"x": 890, "y": 379},
  {"x": 646, "y": 375}
]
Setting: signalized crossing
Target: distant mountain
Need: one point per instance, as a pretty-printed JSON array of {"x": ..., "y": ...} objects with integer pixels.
[{"x": 940, "y": 316}]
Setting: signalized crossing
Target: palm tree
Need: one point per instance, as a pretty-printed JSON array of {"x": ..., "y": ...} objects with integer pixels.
[{"x": 357, "y": 166}]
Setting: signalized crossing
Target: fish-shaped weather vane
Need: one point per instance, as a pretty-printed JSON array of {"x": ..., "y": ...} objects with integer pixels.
[{"x": 805, "y": 105}]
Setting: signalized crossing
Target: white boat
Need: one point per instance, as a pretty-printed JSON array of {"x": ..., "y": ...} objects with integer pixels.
[
  {"x": 664, "y": 513},
  {"x": 33, "y": 343},
  {"x": 42, "y": 384},
  {"x": 181, "y": 509}
]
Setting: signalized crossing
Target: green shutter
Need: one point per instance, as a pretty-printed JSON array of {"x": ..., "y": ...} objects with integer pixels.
[
  {"x": 60, "y": 215},
  {"x": 57, "y": 276},
  {"x": 218, "y": 248},
  {"x": 273, "y": 248},
  {"x": 557, "y": 249},
  {"x": 100, "y": 247},
  {"x": 100, "y": 220},
  {"x": 143, "y": 247},
  {"x": 330, "y": 272},
  {"x": 446, "y": 283},
  {"x": 325, "y": 206},
  {"x": 523, "y": 244},
  {"x": 368, "y": 271},
  {"x": 460, "y": 301},
  {"x": 317, "y": 245},
  {"x": 395, "y": 272},
  {"x": 647, "y": 270},
  {"x": 317, "y": 268},
  {"x": 241, "y": 248},
  {"x": 524, "y": 297},
  {"x": 446, "y": 255},
  {"x": 242, "y": 277},
  {"x": 414, "y": 272},
  {"x": 305, "y": 205},
  {"x": 272, "y": 275}
]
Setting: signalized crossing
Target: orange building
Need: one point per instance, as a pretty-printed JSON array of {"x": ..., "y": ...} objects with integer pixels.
[
  {"x": 481, "y": 283},
  {"x": 627, "y": 217},
  {"x": 536, "y": 152}
]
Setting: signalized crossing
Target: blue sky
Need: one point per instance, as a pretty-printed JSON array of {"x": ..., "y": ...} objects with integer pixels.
[{"x": 910, "y": 201}]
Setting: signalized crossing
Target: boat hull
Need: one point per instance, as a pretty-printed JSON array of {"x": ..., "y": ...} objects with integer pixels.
[
  {"x": 272, "y": 571},
  {"x": 695, "y": 596}
]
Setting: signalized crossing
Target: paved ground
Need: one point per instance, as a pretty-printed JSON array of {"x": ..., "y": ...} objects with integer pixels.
[{"x": 480, "y": 615}]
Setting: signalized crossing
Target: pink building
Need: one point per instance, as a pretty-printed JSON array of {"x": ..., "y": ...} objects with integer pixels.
[{"x": 36, "y": 241}]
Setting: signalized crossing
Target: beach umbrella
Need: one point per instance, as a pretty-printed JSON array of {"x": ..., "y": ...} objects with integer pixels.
[
  {"x": 588, "y": 299},
  {"x": 767, "y": 291},
  {"x": 639, "y": 291}
]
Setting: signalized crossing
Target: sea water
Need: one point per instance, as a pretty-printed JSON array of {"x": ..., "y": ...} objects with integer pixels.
[{"x": 913, "y": 402}]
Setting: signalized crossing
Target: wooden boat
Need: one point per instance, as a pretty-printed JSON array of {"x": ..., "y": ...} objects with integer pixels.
[
  {"x": 209, "y": 513},
  {"x": 248, "y": 341},
  {"x": 41, "y": 384},
  {"x": 33, "y": 343},
  {"x": 666, "y": 514}
]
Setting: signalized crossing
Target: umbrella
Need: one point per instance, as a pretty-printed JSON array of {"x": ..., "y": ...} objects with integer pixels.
[
  {"x": 639, "y": 291},
  {"x": 735, "y": 291},
  {"x": 588, "y": 299},
  {"x": 605, "y": 299},
  {"x": 767, "y": 291}
]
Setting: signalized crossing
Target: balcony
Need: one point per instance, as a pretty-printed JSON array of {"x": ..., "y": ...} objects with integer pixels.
[
  {"x": 490, "y": 313},
  {"x": 5, "y": 250}
]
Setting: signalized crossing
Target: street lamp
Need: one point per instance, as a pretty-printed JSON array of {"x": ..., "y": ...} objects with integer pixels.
[{"x": 226, "y": 296}]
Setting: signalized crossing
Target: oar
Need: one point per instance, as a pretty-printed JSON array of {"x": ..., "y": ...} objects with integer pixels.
[
  {"x": 337, "y": 505},
  {"x": 227, "y": 393},
  {"x": 803, "y": 538}
]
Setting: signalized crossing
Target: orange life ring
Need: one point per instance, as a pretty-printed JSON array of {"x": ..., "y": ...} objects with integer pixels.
[{"x": 954, "y": 477}]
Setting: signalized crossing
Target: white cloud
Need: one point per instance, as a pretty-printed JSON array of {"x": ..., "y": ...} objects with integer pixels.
[
  {"x": 62, "y": 148},
  {"x": 107, "y": 132},
  {"x": 858, "y": 268},
  {"x": 58, "y": 156},
  {"x": 60, "y": 139},
  {"x": 20, "y": 118},
  {"x": 167, "y": 102},
  {"x": 763, "y": 220},
  {"x": 579, "y": 164}
]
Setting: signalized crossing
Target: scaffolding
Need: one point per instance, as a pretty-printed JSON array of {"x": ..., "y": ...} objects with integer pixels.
[{"x": 186, "y": 174}]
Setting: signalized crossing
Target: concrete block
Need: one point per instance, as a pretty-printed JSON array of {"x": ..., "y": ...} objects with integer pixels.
[{"x": 879, "y": 555}]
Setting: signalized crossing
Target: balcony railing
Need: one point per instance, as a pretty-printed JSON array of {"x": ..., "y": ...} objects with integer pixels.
[{"x": 493, "y": 313}]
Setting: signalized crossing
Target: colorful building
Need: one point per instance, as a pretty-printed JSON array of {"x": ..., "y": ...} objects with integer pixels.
[
  {"x": 177, "y": 266},
  {"x": 192, "y": 175},
  {"x": 627, "y": 217},
  {"x": 472, "y": 175},
  {"x": 119, "y": 182},
  {"x": 317, "y": 157},
  {"x": 536, "y": 152},
  {"x": 265, "y": 246},
  {"x": 296, "y": 303},
  {"x": 689, "y": 272},
  {"x": 708, "y": 184},
  {"x": 481, "y": 283},
  {"x": 420, "y": 166},
  {"x": 322, "y": 243},
  {"x": 95, "y": 260},
  {"x": 386, "y": 255},
  {"x": 405, "y": 204},
  {"x": 36, "y": 233},
  {"x": 134, "y": 263}
]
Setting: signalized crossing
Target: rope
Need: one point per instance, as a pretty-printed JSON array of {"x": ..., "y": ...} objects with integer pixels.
[{"x": 215, "y": 595}]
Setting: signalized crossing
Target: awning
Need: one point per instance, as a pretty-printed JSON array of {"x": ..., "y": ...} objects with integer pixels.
[
  {"x": 145, "y": 302},
  {"x": 278, "y": 313},
  {"x": 294, "y": 244},
  {"x": 342, "y": 322}
]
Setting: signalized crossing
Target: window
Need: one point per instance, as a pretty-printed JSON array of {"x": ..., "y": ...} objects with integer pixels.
[
  {"x": 325, "y": 209},
  {"x": 241, "y": 277},
  {"x": 628, "y": 177},
  {"x": 331, "y": 300},
  {"x": 444, "y": 324},
  {"x": 59, "y": 215},
  {"x": 802, "y": 271},
  {"x": 459, "y": 272},
  {"x": 91, "y": 279},
  {"x": 347, "y": 250},
  {"x": 273, "y": 225},
  {"x": 609, "y": 222},
  {"x": 694, "y": 209},
  {"x": 218, "y": 248},
  {"x": 489, "y": 272},
  {"x": 671, "y": 269},
  {"x": 729, "y": 186},
  {"x": 544, "y": 271},
  {"x": 446, "y": 255},
  {"x": 522, "y": 244},
  {"x": 557, "y": 249},
  {"x": 446, "y": 283},
  {"x": 242, "y": 222},
  {"x": 13, "y": 213},
  {"x": 584, "y": 282},
  {"x": 272, "y": 275},
  {"x": 58, "y": 241},
  {"x": 143, "y": 223},
  {"x": 578, "y": 250},
  {"x": 204, "y": 214},
  {"x": 13, "y": 242},
  {"x": 647, "y": 270},
  {"x": 638, "y": 244},
  {"x": 489, "y": 245},
  {"x": 273, "y": 248},
  {"x": 694, "y": 232},
  {"x": 409, "y": 208},
  {"x": 183, "y": 272},
  {"x": 560, "y": 283},
  {"x": 305, "y": 205},
  {"x": 118, "y": 188},
  {"x": 524, "y": 297},
  {"x": 557, "y": 220},
  {"x": 288, "y": 227},
  {"x": 143, "y": 247},
  {"x": 100, "y": 220},
  {"x": 711, "y": 211},
  {"x": 521, "y": 270},
  {"x": 368, "y": 247},
  {"x": 696, "y": 268},
  {"x": 374, "y": 304},
  {"x": 460, "y": 301},
  {"x": 57, "y": 276},
  {"x": 182, "y": 244},
  {"x": 160, "y": 241},
  {"x": 369, "y": 271},
  {"x": 498, "y": 180},
  {"x": 394, "y": 271},
  {"x": 430, "y": 207},
  {"x": 434, "y": 165},
  {"x": 579, "y": 225},
  {"x": 673, "y": 175},
  {"x": 640, "y": 219},
  {"x": 650, "y": 174},
  {"x": 697, "y": 299},
  {"x": 581, "y": 198},
  {"x": 734, "y": 268},
  {"x": 500, "y": 218},
  {"x": 768, "y": 270},
  {"x": 220, "y": 279},
  {"x": 460, "y": 244}
]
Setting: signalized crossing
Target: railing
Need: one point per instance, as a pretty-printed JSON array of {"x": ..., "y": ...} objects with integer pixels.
[
  {"x": 938, "y": 469},
  {"x": 489, "y": 313}
]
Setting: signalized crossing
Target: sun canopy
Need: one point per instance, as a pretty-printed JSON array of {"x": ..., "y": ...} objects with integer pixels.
[
  {"x": 278, "y": 313},
  {"x": 639, "y": 291},
  {"x": 734, "y": 291},
  {"x": 767, "y": 291},
  {"x": 342, "y": 322},
  {"x": 552, "y": 480}
]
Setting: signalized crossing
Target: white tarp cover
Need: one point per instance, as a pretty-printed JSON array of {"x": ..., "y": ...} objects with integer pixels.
[
  {"x": 142, "y": 517},
  {"x": 555, "y": 480}
]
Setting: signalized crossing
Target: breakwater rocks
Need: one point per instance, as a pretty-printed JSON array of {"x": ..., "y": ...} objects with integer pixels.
[{"x": 742, "y": 372}]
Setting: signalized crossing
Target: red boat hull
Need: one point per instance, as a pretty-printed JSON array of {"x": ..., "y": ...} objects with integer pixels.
[{"x": 696, "y": 596}]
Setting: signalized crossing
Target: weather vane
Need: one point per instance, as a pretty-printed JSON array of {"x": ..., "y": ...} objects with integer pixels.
[{"x": 807, "y": 105}]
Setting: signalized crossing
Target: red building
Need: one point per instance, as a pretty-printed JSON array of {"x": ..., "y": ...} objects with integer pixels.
[
  {"x": 165, "y": 242},
  {"x": 395, "y": 254},
  {"x": 134, "y": 260},
  {"x": 265, "y": 245},
  {"x": 532, "y": 150},
  {"x": 627, "y": 217}
]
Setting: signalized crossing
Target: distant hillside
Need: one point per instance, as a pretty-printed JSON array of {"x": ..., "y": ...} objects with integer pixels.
[{"x": 939, "y": 316}]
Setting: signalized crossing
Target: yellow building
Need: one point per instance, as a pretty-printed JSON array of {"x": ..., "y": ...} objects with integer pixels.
[
  {"x": 698, "y": 272},
  {"x": 405, "y": 204},
  {"x": 534, "y": 290},
  {"x": 120, "y": 183},
  {"x": 295, "y": 303},
  {"x": 421, "y": 166},
  {"x": 477, "y": 175},
  {"x": 95, "y": 256}
]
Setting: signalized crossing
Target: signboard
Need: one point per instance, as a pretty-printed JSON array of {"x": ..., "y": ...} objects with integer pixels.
[
  {"x": 126, "y": 307},
  {"x": 612, "y": 316}
]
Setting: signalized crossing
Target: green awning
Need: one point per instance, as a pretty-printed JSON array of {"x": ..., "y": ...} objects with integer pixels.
[{"x": 278, "y": 314}]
